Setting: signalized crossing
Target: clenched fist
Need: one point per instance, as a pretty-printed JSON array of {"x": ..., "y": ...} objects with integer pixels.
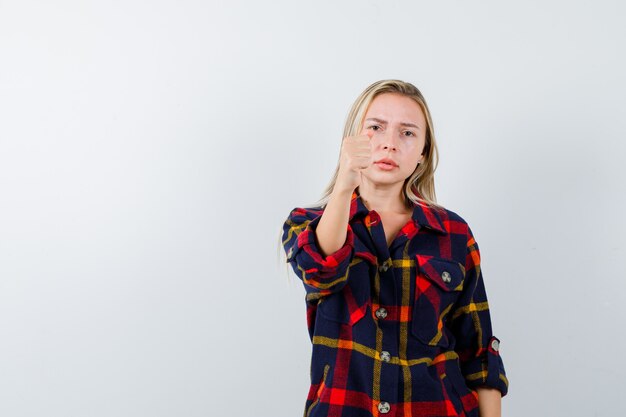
[{"x": 356, "y": 155}]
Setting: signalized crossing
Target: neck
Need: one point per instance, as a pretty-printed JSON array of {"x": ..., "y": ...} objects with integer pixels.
[{"x": 382, "y": 198}]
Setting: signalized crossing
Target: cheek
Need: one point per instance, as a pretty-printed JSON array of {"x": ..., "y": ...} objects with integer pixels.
[
  {"x": 410, "y": 162},
  {"x": 413, "y": 151},
  {"x": 417, "y": 148}
]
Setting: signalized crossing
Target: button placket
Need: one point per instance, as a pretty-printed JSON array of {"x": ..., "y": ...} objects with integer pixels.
[{"x": 384, "y": 267}]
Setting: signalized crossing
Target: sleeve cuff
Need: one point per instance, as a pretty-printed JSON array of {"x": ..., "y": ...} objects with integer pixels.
[
  {"x": 491, "y": 371},
  {"x": 310, "y": 256}
]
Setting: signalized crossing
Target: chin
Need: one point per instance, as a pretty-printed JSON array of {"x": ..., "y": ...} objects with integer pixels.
[{"x": 384, "y": 179}]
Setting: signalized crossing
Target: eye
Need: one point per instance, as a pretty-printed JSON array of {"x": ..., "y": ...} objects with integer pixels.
[
  {"x": 374, "y": 127},
  {"x": 408, "y": 133}
]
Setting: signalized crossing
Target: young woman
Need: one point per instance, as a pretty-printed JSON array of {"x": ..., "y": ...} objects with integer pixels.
[{"x": 396, "y": 305}]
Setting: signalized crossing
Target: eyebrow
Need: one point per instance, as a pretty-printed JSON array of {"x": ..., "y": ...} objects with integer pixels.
[{"x": 374, "y": 119}]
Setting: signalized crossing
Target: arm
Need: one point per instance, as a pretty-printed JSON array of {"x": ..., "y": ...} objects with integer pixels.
[
  {"x": 331, "y": 231},
  {"x": 306, "y": 232},
  {"x": 320, "y": 248},
  {"x": 489, "y": 402},
  {"x": 478, "y": 348},
  {"x": 355, "y": 155}
]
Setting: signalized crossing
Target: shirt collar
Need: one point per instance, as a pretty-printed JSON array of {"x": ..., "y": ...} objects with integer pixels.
[{"x": 423, "y": 215}]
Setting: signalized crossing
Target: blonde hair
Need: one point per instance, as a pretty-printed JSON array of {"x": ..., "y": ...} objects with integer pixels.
[{"x": 419, "y": 187}]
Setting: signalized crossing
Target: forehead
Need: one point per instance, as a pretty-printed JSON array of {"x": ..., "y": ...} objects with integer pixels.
[{"x": 393, "y": 107}]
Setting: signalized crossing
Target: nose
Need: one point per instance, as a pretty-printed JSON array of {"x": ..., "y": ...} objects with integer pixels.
[{"x": 389, "y": 141}]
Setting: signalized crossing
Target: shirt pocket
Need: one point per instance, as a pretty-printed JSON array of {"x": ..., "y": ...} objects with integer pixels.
[
  {"x": 438, "y": 284},
  {"x": 349, "y": 305}
]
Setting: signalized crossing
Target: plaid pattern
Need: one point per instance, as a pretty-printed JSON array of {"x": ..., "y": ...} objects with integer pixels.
[{"x": 396, "y": 331}]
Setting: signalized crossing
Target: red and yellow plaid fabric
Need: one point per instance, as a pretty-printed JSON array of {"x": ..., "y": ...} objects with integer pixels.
[{"x": 401, "y": 330}]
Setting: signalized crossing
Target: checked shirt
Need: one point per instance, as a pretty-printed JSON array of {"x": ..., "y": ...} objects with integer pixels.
[{"x": 402, "y": 330}]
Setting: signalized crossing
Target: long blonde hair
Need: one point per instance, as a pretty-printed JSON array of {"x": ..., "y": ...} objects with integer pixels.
[{"x": 419, "y": 187}]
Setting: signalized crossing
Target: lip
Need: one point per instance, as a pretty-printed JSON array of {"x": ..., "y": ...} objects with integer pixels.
[{"x": 386, "y": 161}]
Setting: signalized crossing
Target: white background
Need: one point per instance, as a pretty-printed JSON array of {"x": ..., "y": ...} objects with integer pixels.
[{"x": 151, "y": 150}]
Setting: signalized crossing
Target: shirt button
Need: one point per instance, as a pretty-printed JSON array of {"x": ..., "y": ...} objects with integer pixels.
[
  {"x": 383, "y": 268},
  {"x": 384, "y": 407},
  {"x": 381, "y": 313},
  {"x": 495, "y": 345},
  {"x": 385, "y": 356},
  {"x": 445, "y": 276}
]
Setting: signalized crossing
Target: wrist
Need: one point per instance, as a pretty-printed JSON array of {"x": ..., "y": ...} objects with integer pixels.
[{"x": 342, "y": 193}]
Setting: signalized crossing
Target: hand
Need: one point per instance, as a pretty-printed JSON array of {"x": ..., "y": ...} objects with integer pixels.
[{"x": 355, "y": 156}]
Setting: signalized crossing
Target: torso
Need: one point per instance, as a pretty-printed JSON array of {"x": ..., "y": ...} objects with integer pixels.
[
  {"x": 392, "y": 223},
  {"x": 370, "y": 300}
]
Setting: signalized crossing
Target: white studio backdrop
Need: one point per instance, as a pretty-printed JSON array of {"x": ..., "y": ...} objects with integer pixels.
[{"x": 150, "y": 151}]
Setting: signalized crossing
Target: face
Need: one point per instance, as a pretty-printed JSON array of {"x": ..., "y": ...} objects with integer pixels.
[{"x": 398, "y": 128}]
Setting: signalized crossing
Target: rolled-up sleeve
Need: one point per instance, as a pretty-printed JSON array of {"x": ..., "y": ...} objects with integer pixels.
[
  {"x": 477, "y": 347},
  {"x": 320, "y": 274}
]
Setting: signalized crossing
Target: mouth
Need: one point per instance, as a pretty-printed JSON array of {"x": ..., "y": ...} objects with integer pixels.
[
  {"x": 386, "y": 163},
  {"x": 385, "y": 166}
]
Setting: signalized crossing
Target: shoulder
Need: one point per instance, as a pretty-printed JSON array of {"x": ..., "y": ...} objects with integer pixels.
[
  {"x": 453, "y": 222},
  {"x": 300, "y": 218},
  {"x": 305, "y": 213},
  {"x": 461, "y": 237},
  {"x": 451, "y": 215}
]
